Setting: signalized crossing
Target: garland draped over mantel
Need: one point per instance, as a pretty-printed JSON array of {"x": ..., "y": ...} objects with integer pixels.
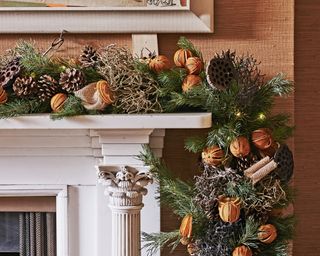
[{"x": 234, "y": 205}]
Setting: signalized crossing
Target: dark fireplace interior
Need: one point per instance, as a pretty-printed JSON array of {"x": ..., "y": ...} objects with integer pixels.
[
  {"x": 28, "y": 233},
  {"x": 9, "y": 233}
]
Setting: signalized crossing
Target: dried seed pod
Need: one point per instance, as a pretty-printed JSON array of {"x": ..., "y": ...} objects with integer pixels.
[
  {"x": 57, "y": 101},
  {"x": 267, "y": 233},
  {"x": 240, "y": 147},
  {"x": 181, "y": 56},
  {"x": 191, "y": 81},
  {"x": 229, "y": 209},
  {"x": 213, "y": 155},
  {"x": 194, "y": 65},
  {"x": 159, "y": 63},
  {"x": 242, "y": 251}
]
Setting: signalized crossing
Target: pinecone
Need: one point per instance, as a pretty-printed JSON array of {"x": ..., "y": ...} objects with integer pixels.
[
  {"x": 47, "y": 87},
  {"x": 9, "y": 72},
  {"x": 221, "y": 70},
  {"x": 24, "y": 87},
  {"x": 72, "y": 80},
  {"x": 243, "y": 163},
  {"x": 89, "y": 57}
]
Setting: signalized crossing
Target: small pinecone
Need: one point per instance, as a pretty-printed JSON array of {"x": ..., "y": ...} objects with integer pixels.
[
  {"x": 9, "y": 72},
  {"x": 72, "y": 80},
  {"x": 89, "y": 57},
  {"x": 221, "y": 70},
  {"x": 243, "y": 163},
  {"x": 24, "y": 87},
  {"x": 47, "y": 87}
]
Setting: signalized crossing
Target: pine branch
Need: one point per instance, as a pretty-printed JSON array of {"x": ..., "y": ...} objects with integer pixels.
[
  {"x": 171, "y": 81},
  {"x": 280, "y": 86},
  {"x": 195, "y": 144},
  {"x": 72, "y": 107},
  {"x": 285, "y": 227},
  {"x": 157, "y": 241},
  {"x": 195, "y": 98},
  {"x": 18, "y": 107},
  {"x": 34, "y": 62},
  {"x": 250, "y": 234},
  {"x": 184, "y": 43},
  {"x": 174, "y": 192}
]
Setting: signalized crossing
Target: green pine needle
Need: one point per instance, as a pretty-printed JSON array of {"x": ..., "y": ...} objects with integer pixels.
[
  {"x": 157, "y": 241},
  {"x": 18, "y": 107}
]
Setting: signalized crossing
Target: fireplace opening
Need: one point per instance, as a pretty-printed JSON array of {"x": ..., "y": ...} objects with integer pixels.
[{"x": 27, "y": 226}]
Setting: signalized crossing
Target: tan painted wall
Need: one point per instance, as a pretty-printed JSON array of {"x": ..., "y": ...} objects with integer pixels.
[{"x": 265, "y": 29}]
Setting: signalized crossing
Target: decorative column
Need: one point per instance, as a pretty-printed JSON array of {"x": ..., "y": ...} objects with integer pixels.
[{"x": 125, "y": 187}]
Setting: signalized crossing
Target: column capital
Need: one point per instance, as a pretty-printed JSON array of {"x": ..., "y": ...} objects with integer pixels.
[{"x": 124, "y": 185}]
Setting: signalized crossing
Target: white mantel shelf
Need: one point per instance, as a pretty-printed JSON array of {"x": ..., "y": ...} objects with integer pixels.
[{"x": 147, "y": 121}]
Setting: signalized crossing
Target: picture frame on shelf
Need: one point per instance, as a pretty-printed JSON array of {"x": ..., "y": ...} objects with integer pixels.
[{"x": 106, "y": 16}]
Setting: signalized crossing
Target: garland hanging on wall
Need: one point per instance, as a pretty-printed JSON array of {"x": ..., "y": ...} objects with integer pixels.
[
  {"x": 246, "y": 167},
  {"x": 233, "y": 205}
]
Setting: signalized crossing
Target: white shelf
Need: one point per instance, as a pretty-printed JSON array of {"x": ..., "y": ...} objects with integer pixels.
[{"x": 149, "y": 121}]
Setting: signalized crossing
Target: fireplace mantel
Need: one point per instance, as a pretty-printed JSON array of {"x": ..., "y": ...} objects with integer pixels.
[
  {"x": 148, "y": 121},
  {"x": 39, "y": 151}
]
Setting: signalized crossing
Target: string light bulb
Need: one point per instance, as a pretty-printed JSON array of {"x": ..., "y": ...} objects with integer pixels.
[{"x": 262, "y": 116}]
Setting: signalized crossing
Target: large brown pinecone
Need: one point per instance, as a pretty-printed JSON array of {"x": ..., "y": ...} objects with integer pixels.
[
  {"x": 89, "y": 57},
  {"x": 25, "y": 87},
  {"x": 71, "y": 80},
  {"x": 9, "y": 72},
  {"x": 47, "y": 87},
  {"x": 221, "y": 70}
]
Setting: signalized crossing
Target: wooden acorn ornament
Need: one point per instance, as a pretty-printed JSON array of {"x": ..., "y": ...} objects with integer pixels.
[
  {"x": 229, "y": 209},
  {"x": 194, "y": 65},
  {"x": 186, "y": 229},
  {"x": 240, "y": 147},
  {"x": 262, "y": 138},
  {"x": 267, "y": 233},
  {"x": 57, "y": 101},
  {"x": 213, "y": 155},
  {"x": 105, "y": 92},
  {"x": 190, "y": 82},
  {"x": 3, "y": 95},
  {"x": 242, "y": 251},
  {"x": 181, "y": 56},
  {"x": 159, "y": 63},
  {"x": 282, "y": 161}
]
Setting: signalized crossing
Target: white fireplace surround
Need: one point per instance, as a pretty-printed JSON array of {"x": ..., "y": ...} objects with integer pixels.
[{"x": 41, "y": 157}]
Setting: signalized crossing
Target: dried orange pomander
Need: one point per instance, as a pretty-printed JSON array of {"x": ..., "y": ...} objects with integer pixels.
[
  {"x": 242, "y": 251},
  {"x": 190, "y": 82},
  {"x": 57, "y": 101},
  {"x": 229, "y": 209},
  {"x": 181, "y": 56},
  {"x": 194, "y": 65},
  {"x": 240, "y": 147},
  {"x": 105, "y": 92},
  {"x": 212, "y": 155},
  {"x": 262, "y": 138},
  {"x": 267, "y": 233},
  {"x": 186, "y": 229},
  {"x": 159, "y": 63}
]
